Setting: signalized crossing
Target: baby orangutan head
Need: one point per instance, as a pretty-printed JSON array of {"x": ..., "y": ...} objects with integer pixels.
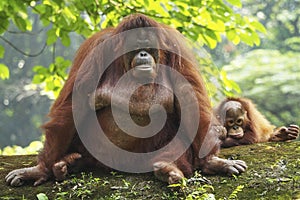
[{"x": 235, "y": 118}]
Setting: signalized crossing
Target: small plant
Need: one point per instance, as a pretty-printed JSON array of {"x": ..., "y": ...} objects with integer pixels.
[
  {"x": 238, "y": 189},
  {"x": 82, "y": 187},
  {"x": 42, "y": 196},
  {"x": 202, "y": 193},
  {"x": 197, "y": 187}
]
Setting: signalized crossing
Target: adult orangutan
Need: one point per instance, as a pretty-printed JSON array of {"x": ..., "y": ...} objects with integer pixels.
[
  {"x": 161, "y": 83},
  {"x": 244, "y": 124}
]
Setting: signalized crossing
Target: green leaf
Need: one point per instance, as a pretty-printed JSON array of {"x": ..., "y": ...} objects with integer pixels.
[
  {"x": 52, "y": 67},
  {"x": 211, "y": 34},
  {"x": 158, "y": 7},
  {"x": 65, "y": 39},
  {"x": 39, "y": 9},
  {"x": 4, "y": 25},
  {"x": 42, "y": 196},
  {"x": 146, "y": 2},
  {"x": 246, "y": 37},
  {"x": 217, "y": 26},
  {"x": 20, "y": 22},
  {"x": 59, "y": 59},
  {"x": 41, "y": 70},
  {"x": 258, "y": 26},
  {"x": 49, "y": 85},
  {"x": 52, "y": 4},
  {"x": 231, "y": 34},
  {"x": 236, "y": 87},
  {"x": 28, "y": 25},
  {"x": 2, "y": 6},
  {"x": 51, "y": 36},
  {"x": 69, "y": 14},
  {"x": 236, "y": 3},
  {"x": 2, "y": 51},
  {"x": 4, "y": 71},
  {"x": 18, "y": 6},
  {"x": 59, "y": 2},
  {"x": 38, "y": 78},
  {"x": 236, "y": 40},
  {"x": 255, "y": 38},
  {"x": 210, "y": 39},
  {"x": 45, "y": 22}
]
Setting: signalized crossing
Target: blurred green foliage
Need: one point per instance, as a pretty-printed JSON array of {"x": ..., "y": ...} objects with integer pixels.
[
  {"x": 32, "y": 148},
  {"x": 271, "y": 79},
  {"x": 282, "y": 20},
  {"x": 4, "y": 71},
  {"x": 52, "y": 77}
]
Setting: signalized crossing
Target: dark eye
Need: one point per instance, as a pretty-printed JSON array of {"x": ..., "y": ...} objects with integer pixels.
[
  {"x": 239, "y": 121},
  {"x": 230, "y": 122}
]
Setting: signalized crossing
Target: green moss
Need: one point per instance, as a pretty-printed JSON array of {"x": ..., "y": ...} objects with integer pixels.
[{"x": 273, "y": 173}]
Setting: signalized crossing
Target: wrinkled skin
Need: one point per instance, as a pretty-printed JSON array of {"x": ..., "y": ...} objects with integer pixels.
[
  {"x": 285, "y": 133},
  {"x": 234, "y": 123}
]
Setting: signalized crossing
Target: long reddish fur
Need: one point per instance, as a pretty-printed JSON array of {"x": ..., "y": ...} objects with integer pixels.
[
  {"x": 60, "y": 130},
  {"x": 257, "y": 127}
]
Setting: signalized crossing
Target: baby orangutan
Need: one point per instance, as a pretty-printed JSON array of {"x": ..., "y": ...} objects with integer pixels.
[{"x": 244, "y": 124}]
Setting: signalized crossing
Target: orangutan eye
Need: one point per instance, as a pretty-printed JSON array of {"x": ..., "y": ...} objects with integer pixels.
[
  {"x": 230, "y": 122},
  {"x": 239, "y": 121}
]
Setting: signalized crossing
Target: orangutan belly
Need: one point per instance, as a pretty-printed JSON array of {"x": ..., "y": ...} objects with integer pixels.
[{"x": 115, "y": 134}]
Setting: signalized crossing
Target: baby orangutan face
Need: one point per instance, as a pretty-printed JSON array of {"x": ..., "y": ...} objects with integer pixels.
[{"x": 235, "y": 119}]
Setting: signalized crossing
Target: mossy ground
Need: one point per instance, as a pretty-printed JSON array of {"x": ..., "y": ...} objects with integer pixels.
[{"x": 273, "y": 173}]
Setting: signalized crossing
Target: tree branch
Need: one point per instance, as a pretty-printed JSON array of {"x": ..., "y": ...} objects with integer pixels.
[{"x": 22, "y": 52}]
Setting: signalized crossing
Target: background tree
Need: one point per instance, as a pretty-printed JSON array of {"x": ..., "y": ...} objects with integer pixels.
[
  {"x": 23, "y": 104},
  {"x": 271, "y": 80},
  {"x": 268, "y": 74},
  {"x": 282, "y": 21}
]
